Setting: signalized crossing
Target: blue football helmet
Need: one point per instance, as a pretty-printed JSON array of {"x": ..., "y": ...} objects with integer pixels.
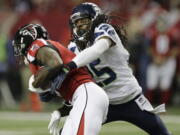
[
  {"x": 25, "y": 36},
  {"x": 84, "y": 10}
]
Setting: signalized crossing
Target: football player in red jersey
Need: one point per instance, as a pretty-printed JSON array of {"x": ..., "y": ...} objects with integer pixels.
[
  {"x": 161, "y": 70},
  {"x": 45, "y": 58}
]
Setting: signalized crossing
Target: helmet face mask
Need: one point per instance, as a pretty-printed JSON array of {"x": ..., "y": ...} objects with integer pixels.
[
  {"x": 82, "y": 26},
  {"x": 18, "y": 48},
  {"x": 85, "y": 13},
  {"x": 25, "y": 36}
]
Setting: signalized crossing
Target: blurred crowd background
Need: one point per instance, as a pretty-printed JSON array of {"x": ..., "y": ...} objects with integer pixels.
[{"x": 153, "y": 30}]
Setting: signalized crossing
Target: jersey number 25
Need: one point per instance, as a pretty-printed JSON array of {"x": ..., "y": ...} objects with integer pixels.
[{"x": 99, "y": 72}]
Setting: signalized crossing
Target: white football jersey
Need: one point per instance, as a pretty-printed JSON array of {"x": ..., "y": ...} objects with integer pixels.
[{"x": 111, "y": 70}]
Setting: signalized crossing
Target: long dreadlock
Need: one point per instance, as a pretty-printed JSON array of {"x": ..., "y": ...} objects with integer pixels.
[{"x": 108, "y": 19}]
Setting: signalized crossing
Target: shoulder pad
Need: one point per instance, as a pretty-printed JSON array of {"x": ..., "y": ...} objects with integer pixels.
[{"x": 105, "y": 30}]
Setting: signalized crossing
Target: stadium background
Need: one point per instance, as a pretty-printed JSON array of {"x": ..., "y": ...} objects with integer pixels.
[{"x": 19, "y": 106}]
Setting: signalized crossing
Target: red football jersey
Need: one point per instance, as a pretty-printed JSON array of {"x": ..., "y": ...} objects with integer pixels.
[
  {"x": 162, "y": 44},
  {"x": 74, "y": 78}
]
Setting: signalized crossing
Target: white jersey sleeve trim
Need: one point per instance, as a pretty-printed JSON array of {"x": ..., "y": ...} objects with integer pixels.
[
  {"x": 42, "y": 40},
  {"x": 92, "y": 53},
  {"x": 30, "y": 58}
]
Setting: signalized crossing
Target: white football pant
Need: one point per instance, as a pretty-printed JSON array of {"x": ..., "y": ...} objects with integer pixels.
[{"x": 90, "y": 106}]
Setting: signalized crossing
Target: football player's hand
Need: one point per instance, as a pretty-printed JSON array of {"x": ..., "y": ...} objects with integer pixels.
[
  {"x": 54, "y": 123},
  {"x": 58, "y": 80}
]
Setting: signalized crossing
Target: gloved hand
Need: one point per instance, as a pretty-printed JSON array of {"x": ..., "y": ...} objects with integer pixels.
[
  {"x": 54, "y": 123},
  {"x": 61, "y": 74},
  {"x": 58, "y": 80}
]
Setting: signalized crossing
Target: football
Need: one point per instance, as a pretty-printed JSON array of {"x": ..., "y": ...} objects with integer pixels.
[{"x": 41, "y": 79}]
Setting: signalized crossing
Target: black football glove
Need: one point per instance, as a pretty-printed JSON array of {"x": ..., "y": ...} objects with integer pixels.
[
  {"x": 71, "y": 65},
  {"x": 62, "y": 72},
  {"x": 58, "y": 80}
]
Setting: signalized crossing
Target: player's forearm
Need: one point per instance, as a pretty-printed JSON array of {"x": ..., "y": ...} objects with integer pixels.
[
  {"x": 45, "y": 75},
  {"x": 92, "y": 53},
  {"x": 52, "y": 63}
]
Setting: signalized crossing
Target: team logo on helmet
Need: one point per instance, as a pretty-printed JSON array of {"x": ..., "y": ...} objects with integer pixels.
[{"x": 31, "y": 31}]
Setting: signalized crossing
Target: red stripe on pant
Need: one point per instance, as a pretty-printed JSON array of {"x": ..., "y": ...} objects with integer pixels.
[{"x": 81, "y": 126}]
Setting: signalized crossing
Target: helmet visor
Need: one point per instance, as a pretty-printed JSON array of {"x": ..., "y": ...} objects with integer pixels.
[
  {"x": 18, "y": 48},
  {"x": 82, "y": 26},
  {"x": 18, "y": 52}
]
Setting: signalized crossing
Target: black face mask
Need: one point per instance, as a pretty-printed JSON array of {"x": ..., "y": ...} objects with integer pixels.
[
  {"x": 81, "y": 32},
  {"x": 81, "y": 44}
]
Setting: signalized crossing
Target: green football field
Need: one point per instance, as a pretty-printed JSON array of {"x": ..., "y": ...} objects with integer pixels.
[{"x": 19, "y": 123}]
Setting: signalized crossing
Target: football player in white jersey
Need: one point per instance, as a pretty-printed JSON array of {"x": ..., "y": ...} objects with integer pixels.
[{"x": 99, "y": 45}]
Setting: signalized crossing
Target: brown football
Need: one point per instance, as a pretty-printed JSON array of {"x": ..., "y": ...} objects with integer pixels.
[{"x": 41, "y": 79}]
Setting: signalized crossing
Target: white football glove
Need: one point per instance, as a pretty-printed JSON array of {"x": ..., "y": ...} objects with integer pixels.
[{"x": 54, "y": 123}]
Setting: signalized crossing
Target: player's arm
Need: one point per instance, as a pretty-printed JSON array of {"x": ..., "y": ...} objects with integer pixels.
[
  {"x": 92, "y": 53},
  {"x": 51, "y": 60}
]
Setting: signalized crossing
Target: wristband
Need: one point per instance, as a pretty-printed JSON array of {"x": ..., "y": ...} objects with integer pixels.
[{"x": 71, "y": 65}]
